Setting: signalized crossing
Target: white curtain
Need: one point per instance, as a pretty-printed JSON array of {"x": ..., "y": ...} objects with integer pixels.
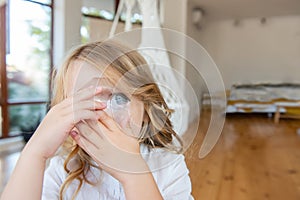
[{"x": 157, "y": 58}]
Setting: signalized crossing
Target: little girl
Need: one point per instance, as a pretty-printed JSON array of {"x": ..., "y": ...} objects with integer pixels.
[{"x": 112, "y": 124}]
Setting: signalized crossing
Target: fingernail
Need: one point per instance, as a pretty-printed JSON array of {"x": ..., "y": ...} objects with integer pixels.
[
  {"x": 73, "y": 133},
  {"x": 98, "y": 88}
]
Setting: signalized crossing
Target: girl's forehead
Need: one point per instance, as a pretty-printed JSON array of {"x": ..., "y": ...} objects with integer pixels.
[{"x": 81, "y": 74}]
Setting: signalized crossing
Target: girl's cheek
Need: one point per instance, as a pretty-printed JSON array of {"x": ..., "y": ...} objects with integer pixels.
[
  {"x": 137, "y": 111},
  {"x": 123, "y": 121},
  {"x": 126, "y": 121}
]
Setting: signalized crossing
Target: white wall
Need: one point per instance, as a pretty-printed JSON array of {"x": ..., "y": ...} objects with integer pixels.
[
  {"x": 175, "y": 19},
  {"x": 253, "y": 52},
  {"x": 192, "y": 74},
  {"x": 67, "y": 23},
  {"x": 100, "y": 29}
]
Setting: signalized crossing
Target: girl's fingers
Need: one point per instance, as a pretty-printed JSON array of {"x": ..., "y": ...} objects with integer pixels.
[
  {"x": 79, "y": 97},
  {"x": 90, "y": 105},
  {"x": 86, "y": 93},
  {"x": 83, "y": 115},
  {"x": 96, "y": 126},
  {"x": 107, "y": 121},
  {"x": 90, "y": 149},
  {"x": 89, "y": 134},
  {"x": 84, "y": 143},
  {"x": 84, "y": 110}
]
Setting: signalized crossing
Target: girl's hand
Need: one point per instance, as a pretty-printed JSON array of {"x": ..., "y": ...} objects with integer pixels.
[
  {"x": 112, "y": 149},
  {"x": 61, "y": 119},
  {"x": 118, "y": 154}
]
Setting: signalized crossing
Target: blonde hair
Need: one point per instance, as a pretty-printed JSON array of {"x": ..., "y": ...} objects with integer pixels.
[{"x": 157, "y": 131}]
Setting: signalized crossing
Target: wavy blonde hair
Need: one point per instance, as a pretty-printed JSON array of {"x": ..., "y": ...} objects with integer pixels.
[{"x": 157, "y": 131}]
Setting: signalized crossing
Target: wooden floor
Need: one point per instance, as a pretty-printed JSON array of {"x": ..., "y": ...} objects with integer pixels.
[{"x": 254, "y": 159}]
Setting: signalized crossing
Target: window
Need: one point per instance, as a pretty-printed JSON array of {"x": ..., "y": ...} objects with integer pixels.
[
  {"x": 97, "y": 20},
  {"x": 26, "y": 64}
]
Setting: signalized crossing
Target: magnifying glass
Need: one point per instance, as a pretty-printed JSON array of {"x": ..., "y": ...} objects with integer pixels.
[{"x": 124, "y": 108}]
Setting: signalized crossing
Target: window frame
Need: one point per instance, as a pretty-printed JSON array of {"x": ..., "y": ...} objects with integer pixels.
[{"x": 5, "y": 103}]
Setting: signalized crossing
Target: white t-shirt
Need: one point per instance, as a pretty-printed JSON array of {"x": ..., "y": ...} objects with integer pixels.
[{"x": 169, "y": 171}]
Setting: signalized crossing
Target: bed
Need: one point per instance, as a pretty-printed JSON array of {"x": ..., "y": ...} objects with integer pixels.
[{"x": 282, "y": 100}]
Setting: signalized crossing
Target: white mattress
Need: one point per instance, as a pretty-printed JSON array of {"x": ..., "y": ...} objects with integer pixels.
[{"x": 262, "y": 97}]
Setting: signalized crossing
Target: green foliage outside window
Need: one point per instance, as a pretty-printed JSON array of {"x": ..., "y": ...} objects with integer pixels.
[{"x": 24, "y": 86}]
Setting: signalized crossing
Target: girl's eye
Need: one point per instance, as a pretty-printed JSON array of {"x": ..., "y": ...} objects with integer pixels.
[{"x": 119, "y": 99}]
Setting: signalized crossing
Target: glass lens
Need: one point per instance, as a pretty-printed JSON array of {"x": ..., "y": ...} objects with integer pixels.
[
  {"x": 118, "y": 103},
  {"x": 123, "y": 108},
  {"x": 119, "y": 108}
]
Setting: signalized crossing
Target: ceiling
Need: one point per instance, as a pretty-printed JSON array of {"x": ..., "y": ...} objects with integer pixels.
[{"x": 236, "y": 9}]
